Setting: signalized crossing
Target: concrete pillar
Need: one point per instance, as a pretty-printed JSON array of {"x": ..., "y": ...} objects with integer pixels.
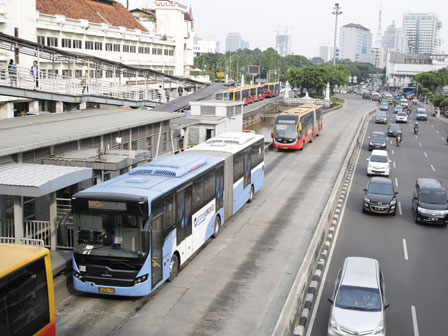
[
  {"x": 7, "y": 110},
  {"x": 187, "y": 137},
  {"x": 18, "y": 218},
  {"x": 82, "y": 105},
  {"x": 53, "y": 217},
  {"x": 33, "y": 106},
  {"x": 59, "y": 107}
]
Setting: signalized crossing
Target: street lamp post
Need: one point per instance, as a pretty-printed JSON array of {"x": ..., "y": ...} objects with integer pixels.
[{"x": 336, "y": 12}]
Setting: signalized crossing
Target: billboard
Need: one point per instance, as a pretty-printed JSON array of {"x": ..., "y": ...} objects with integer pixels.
[{"x": 253, "y": 69}]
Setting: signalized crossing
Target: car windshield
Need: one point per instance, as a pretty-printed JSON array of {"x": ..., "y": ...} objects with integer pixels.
[
  {"x": 433, "y": 196},
  {"x": 395, "y": 128},
  {"x": 381, "y": 115},
  {"x": 421, "y": 112},
  {"x": 286, "y": 126},
  {"x": 398, "y": 108},
  {"x": 381, "y": 188},
  {"x": 378, "y": 158},
  {"x": 377, "y": 137},
  {"x": 108, "y": 234},
  {"x": 358, "y": 298},
  {"x": 401, "y": 114}
]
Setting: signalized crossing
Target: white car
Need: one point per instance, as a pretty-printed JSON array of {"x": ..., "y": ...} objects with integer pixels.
[
  {"x": 401, "y": 117},
  {"x": 378, "y": 163},
  {"x": 404, "y": 103}
]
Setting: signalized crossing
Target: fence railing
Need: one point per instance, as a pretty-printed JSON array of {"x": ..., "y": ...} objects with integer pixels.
[
  {"x": 25, "y": 241},
  {"x": 48, "y": 81}
]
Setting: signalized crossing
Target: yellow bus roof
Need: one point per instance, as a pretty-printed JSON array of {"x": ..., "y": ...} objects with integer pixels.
[{"x": 14, "y": 256}]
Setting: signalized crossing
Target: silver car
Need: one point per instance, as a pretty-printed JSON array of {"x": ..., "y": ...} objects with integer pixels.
[{"x": 358, "y": 301}]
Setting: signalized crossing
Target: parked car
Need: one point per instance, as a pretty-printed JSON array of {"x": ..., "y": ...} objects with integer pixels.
[
  {"x": 380, "y": 196},
  {"x": 358, "y": 301},
  {"x": 377, "y": 140},
  {"x": 422, "y": 114},
  {"x": 381, "y": 118},
  {"x": 401, "y": 117},
  {"x": 378, "y": 163},
  {"x": 429, "y": 202},
  {"x": 397, "y": 109},
  {"x": 384, "y": 106},
  {"x": 393, "y": 129}
]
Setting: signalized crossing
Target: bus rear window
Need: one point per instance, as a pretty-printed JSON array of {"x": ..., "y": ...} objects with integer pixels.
[{"x": 24, "y": 307}]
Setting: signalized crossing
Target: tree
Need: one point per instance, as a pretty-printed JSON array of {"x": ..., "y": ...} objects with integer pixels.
[
  {"x": 317, "y": 60},
  {"x": 432, "y": 79},
  {"x": 296, "y": 61}
]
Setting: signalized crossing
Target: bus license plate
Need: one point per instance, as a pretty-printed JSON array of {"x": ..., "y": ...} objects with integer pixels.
[{"x": 106, "y": 290}]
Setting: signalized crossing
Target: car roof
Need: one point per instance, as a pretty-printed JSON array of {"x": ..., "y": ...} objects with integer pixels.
[
  {"x": 401, "y": 113},
  {"x": 379, "y": 152},
  {"x": 381, "y": 180},
  {"x": 378, "y": 133},
  {"x": 430, "y": 183},
  {"x": 360, "y": 272},
  {"x": 421, "y": 109},
  {"x": 394, "y": 125}
]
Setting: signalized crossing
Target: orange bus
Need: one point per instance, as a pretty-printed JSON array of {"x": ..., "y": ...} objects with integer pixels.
[
  {"x": 296, "y": 127},
  {"x": 26, "y": 291}
]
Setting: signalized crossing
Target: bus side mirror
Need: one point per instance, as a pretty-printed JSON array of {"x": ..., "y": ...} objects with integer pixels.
[{"x": 145, "y": 241}]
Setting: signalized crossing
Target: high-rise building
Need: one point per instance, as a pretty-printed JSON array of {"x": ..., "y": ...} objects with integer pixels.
[
  {"x": 395, "y": 39},
  {"x": 355, "y": 43},
  {"x": 235, "y": 42},
  {"x": 422, "y": 32},
  {"x": 326, "y": 51},
  {"x": 283, "y": 44}
]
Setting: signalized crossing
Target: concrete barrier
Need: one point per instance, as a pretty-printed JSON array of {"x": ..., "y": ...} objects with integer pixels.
[{"x": 293, "y": 319}]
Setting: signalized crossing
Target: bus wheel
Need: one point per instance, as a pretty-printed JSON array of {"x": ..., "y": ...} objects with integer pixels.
[
  {"x": 217, "y": 226},
  {"x": 251, "y": 196},
  {"x": 174, "y": 267}
]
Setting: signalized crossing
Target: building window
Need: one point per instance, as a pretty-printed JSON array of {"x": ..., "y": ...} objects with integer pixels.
[
  {"x": 148, "y": 143},
  {"x": 154, "y": 51},
  {"x": 98, "y": 46},
  {"x": 66, "y": 73},
  {"x": 77, "y": 44},
  {"x": 66, "y": 43},
  {"x": 109, "y": 46},
  {"x": 109, "y": 74},
  {"x": 147, "y": 50},
  {"x": 125, "y": 48},
  {"x": 78, "y": 73},
  {"x": 41, "y": 40},
  {"x": 165, "y": 52},
  {"x": 52, "y": 41},
  {"x": 117, "y": 47},
  {"x": 141, "y": 50},
  {"x": 99, "y": 74},
  {"x": 132, "y": 49},
  {"x": 89, "y": 45},
  {"x": 159, "y": 51}
]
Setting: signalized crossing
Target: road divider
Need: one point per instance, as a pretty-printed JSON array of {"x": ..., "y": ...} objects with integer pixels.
[{"x": 298, "y": 307}]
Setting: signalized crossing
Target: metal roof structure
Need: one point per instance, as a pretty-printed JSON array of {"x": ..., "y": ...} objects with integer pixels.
[
  {"x": 18, "y": 135},
  {"x": 36, "y": 180}
]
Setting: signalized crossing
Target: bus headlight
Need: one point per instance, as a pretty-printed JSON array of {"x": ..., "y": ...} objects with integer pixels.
[
  {"x": 141, "y": 279},
  {"x": 78, "y": 276}
]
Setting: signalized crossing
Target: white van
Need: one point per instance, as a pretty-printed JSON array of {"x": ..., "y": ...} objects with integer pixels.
[
  {"x": 358, "y": 302},
  {"x": 378, "y": 163}
]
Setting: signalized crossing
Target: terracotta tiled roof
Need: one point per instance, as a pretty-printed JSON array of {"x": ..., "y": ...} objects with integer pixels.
[{"x": 98, "y": 11}]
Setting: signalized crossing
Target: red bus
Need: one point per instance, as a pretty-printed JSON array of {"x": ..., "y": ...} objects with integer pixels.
[
  {"x": 271, "y": 89},
  {"x": 296, "y": 127}
]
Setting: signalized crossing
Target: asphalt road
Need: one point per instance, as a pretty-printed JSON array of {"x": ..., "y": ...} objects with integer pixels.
[
  {"x": 412, "y": 256},
  {"x": 237, "y": 284}
]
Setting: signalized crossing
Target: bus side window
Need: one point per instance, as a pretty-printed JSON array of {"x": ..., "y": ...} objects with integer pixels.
[
  {"x": 209, "y": 186},
  {"x": 168, "y": 211},
  {"x": 219, "y": 188},
  {"x": 198, "y": 194},
  {"x": 238, "y": 168}
]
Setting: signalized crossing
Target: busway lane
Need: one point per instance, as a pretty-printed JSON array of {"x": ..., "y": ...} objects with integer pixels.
[
  {"x": 237, "y": 284},
  {"x": 411, "y": 255}
]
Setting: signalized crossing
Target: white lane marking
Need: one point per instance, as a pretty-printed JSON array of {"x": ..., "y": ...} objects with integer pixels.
[
  {"x": 432, "y": 126},
  {"x": 399, "y": 209},
  {"x": 443, "y": 138},
  {"x": 414, "y": 321},
  {"x": 405, "y": 250},
  {"x": 432, "y": 167},
  {"x": 394, "y": 164},
  {"x": 393, "y": 152},
  {"x": 391, "y": 142},
  {"x": 396, "y": 182},
  {"x": 425, "y": 154},
  {"x": 437, "y": 131},
  {"x": 420, "y": 144},
  {"x": 416, "y": 136}
]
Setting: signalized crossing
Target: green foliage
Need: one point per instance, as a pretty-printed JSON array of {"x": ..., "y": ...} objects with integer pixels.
[
  {"x": 317, "y": 60},
  {"x": 336, "y": 101},
  {"x": 431, "y": 80}
]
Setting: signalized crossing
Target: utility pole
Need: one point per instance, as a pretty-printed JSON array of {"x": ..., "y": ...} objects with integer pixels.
[{"x": 336, "y": 12}]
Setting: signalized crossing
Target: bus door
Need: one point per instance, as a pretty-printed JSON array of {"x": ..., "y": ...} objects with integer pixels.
[
  {"x": 247, "y": 169},
  {"x": 184, "y": 229},
  {"x": 156, "y": 249}
]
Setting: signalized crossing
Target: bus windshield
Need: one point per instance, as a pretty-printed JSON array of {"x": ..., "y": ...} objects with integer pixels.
[
  {"x": 286, "y": 126},
  {"x": 115, "y": 234}
]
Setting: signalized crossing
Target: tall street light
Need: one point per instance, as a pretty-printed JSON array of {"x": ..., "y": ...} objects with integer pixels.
[{"x": 336, "y": 12}]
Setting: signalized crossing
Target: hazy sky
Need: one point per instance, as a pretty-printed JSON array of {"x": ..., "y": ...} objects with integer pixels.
[{"x": 308, "y": 22}]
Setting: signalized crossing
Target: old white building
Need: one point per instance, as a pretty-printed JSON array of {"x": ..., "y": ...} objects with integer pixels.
[{"x": 356, "y": 43}]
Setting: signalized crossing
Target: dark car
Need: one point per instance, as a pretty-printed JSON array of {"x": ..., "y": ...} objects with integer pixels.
[
  {"x": 381, "y": 118},
  {"x": 393, "y": 129},
  {"x": 379, "y": 196},
  {"x": 429, "y": 202},
  {"x": 377, "y": 140}
]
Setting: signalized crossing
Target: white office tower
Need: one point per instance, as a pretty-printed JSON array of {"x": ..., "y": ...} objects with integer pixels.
[
  {"x": 283, "y": 44},
  {"x": 355, "y": 43},
  {"x": 422, "y": 32},
  {"x": 235, "y": 42},
  {"x": 326, "y": 52},
  {"x": 395, "y": 39}
]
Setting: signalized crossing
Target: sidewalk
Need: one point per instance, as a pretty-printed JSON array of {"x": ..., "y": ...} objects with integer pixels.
[{"x": 61, "y": 260}]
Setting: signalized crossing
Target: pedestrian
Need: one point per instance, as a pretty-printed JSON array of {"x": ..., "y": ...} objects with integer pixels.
[
  {"x": 85, "y": 82},
  {"x": 181, "y": 143},
  {"x": 167, "y": 94},
  {"x": 180, "y": 91},
  {"x": 35, "y": 74},
  {"x": 12, "y": 70}
]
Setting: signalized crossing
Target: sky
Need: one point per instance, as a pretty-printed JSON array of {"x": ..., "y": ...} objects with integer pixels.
[{"x": 309, "y": 23}]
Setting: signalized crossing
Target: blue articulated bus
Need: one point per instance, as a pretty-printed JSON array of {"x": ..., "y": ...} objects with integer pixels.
[{"x": 134, "y": 232}]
